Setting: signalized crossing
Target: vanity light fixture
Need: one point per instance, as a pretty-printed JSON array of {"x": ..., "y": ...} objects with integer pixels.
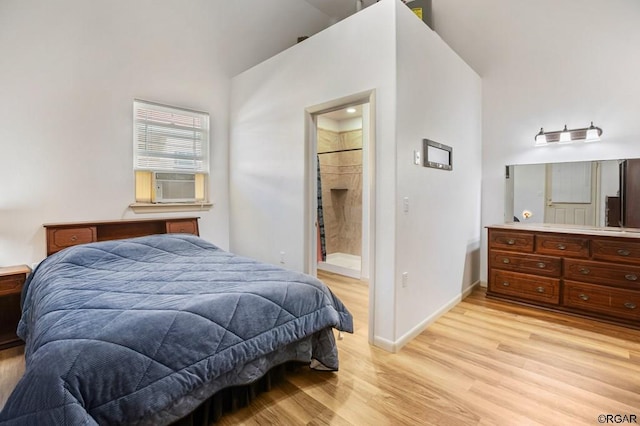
[
  {"x": 351, "y": 110},
  {"x": 587, "y": 134}
]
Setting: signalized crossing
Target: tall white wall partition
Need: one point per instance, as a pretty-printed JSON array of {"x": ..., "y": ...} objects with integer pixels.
[
  {"x": 438, "y": 239},
  {"x": 268, "y": 152},
  {"x": 422, "y": 89}
]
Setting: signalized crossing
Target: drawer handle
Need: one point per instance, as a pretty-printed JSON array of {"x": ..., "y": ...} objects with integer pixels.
[
  {"x": 506, "y": 284},
  {"x": 540, "y": 289},
  {"x": 74, "y": 238},
  {"x": 584, "y": 271},
  {"x": 623, "y": 252},
  {"x": 631, "y": 277},
  {"x": 542, "y": 265},
  {"x": 630, "y": 305},
  {"x": 583, "y": 296},
  {"x": 511, "y": 242},
  {"x": 561, "y": 247},
  {"x": 505, "y": 260}
]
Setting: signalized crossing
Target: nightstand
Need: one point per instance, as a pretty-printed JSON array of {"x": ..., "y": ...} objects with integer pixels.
[{"x": 11, "y": 280}]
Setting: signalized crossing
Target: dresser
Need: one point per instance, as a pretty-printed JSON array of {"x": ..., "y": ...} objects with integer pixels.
[
  {"x": 12, "y": 279},
  {"x": 589, "y": 272}
]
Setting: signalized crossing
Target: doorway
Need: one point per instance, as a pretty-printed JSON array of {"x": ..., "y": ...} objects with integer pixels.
[
  {"x": 339, "y": 212},
  {"x": 349, "y": 167}
]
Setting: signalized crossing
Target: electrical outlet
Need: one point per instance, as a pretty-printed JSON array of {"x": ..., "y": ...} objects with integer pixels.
[
  {"x": 416, "y": 158},
  {"x": 283, "y": 258},
  {"x": 405, "y": 279}
]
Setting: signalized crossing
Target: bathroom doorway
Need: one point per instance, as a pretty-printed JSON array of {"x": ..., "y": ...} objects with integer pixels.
[
  {"x": 339, "y": 141},
  {"x": 365, "y": 103}
]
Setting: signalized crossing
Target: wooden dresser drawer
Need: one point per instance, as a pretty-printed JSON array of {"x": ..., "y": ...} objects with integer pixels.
[
  {"x": 574, "y": 269},
  {"x": 602, "y": 273},
  {"x": 506, "y": 240},
  {"x": 524, "y": 286},
  {"x": 188, "y": 226},
  {"x": 60, "y": 238},
  {"x": 561, "y": 245},
  {"x": 526, "y": 263},
  {"x": 11, "y": 284},
  {"x": 616, "y": 250},
  {"x": 11, "y": 280},
  {"x": 610, "y": 301}
]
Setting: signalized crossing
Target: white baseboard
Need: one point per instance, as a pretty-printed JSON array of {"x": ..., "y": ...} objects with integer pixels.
[
  {"x": 394, "y": 347},
  {"x": 467, "y": 291},
  {"x": 385, "y": 344},
  {"x": 340, "y": 270}
]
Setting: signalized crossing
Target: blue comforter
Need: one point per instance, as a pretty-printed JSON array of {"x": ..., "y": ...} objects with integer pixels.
[{"x": 141, "y": 331}]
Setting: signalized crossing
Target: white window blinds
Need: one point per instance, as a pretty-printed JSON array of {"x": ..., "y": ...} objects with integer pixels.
[{"x": 169, "y": 139}]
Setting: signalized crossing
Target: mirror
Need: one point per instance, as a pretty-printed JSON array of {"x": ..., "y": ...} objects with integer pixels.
[{"x": 584, "y": 193}]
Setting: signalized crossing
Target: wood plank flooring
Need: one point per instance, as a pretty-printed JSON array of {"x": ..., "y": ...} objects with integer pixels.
[
  {"x": 11, "y": 369},
  {"x": 484, "y": 362}
]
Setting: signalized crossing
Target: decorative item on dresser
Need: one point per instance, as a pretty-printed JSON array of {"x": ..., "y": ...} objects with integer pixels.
[
  {"x": 584, "y": 271},
  {"x": 11, "y": 280}
]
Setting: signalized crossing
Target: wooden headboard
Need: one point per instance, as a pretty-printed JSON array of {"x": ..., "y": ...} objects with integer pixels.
[{"x": 63, "y": 235}]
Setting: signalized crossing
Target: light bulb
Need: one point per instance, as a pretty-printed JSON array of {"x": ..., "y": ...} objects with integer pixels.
[
  {"x": 565, "y": 136},
  {"x": 541, "y": 138},
  {"x": 592, "y": 134}
]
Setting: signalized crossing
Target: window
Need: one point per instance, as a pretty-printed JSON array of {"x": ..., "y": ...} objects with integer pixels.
[{"x": 170, "y": 153}]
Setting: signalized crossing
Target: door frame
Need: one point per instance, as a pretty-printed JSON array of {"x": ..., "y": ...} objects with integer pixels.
[{"x": 369, "y": 174}]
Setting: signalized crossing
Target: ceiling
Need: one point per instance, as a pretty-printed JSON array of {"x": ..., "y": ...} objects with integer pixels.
[
  {"x": 337, "y": 10},
  {"x": 342, "y": 113}
]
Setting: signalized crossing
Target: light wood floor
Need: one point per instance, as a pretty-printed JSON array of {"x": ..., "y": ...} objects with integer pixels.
[
  {"x": 11, "y": 369},
  {"x": 483, "y": 363}
]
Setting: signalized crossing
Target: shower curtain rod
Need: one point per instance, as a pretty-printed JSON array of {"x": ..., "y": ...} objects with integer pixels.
[{"x": 340, "y": 150}]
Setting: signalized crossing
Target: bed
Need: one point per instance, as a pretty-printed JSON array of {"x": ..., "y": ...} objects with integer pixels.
[{"x": 144, "y": 330}]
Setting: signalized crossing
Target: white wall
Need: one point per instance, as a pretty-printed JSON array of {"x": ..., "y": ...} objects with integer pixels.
[
  {"x": 268, "y": 152},
  {"x": 69, "y": 71},
  {"x": 529, "y": 192},
  {"x": 345, "y": 125},
  {"x": 547, "y": 63},
  {"x": 419, "y": 84},
  {"x": 438, "y": 239}
]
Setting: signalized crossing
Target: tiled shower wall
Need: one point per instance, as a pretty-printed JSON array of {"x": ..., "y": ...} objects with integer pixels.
[{"x": 341, "y": 175}]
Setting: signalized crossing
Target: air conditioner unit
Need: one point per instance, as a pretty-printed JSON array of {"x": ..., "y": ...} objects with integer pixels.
[{"x": 174, "y": 187}]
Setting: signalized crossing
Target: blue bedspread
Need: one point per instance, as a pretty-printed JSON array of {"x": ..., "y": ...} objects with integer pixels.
[{"x": 141, "y": 331}]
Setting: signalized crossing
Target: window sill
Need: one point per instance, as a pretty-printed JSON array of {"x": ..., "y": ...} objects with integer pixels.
[{"x": 169, "y": 207}]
